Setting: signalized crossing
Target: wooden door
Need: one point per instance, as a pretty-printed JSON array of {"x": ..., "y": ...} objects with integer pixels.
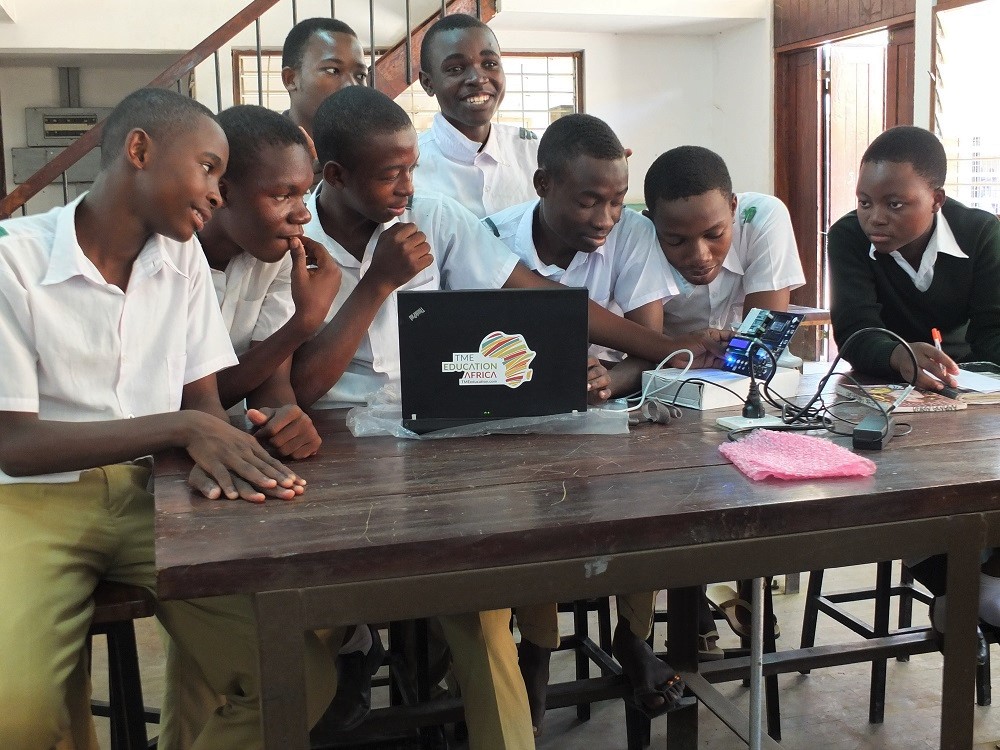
[
  {"x": 899, "y": 76},
  {"x": 798, "y": 158}
]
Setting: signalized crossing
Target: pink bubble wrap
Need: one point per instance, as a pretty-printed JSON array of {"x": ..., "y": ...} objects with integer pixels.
[{"x": 788, "y": 455}]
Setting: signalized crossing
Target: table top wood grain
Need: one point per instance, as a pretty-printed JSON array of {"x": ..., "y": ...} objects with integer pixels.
[{"x": 388, "y": 508}]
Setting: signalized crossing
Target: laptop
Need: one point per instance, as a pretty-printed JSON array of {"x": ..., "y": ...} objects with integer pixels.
[{"x": 471, "y": 356}]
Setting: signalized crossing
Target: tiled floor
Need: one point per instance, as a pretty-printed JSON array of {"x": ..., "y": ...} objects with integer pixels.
[{"x": 826, "y": 710}]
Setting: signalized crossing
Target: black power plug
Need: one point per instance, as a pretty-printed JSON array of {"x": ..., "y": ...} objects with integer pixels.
[
  {"x": 753, "y": 407},
  {"x": 873, "y": 432}
]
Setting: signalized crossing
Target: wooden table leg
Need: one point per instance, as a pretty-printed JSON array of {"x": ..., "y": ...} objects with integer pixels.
[
  {"x": 281, "y": 654},
  {"x": 957, "y": 699},
  {"x": 682, "y": 653}
]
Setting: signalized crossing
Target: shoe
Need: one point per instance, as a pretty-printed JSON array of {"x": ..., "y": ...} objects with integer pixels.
[
  {"x": 353, "y": 700},
  {"x": 724, "y": 600},
  {"x": 708, "y": 646}
]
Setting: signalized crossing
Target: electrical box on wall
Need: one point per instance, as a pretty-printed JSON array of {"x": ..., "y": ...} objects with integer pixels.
[
  {"x": 60, "y": 126},
  {"x": 27, "y": 161}
]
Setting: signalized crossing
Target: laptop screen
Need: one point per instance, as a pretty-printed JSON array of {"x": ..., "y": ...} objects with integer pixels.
[{"x": 476, "y": 355}]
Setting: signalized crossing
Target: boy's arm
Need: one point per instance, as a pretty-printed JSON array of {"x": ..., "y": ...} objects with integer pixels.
[
  {"x": 626, "y": 376},
  {"x": 608, "y": 329},
  {"x": 312, "y": 292},
  {"x": 401, "y": 253},
  {"x": 776, "y": 299},
  {"x": 774, "y": 266}
]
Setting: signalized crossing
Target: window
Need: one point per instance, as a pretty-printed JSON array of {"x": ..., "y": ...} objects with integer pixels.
[
  {"x": 541, "y": 87},
  {"x": 245, "y": 84},
  {"x": 965, "y": 118}
]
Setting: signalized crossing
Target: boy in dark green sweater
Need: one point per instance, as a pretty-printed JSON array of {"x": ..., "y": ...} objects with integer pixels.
[{"x": 910, "y": 260}]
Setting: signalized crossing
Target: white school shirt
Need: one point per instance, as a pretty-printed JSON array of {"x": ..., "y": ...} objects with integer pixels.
[
  {"x": 78, "y": 349},
  {"x": 466, "y": 256},
  {"x": 255, "y": 298},
  {"x": 485, "y": 178},
  {"x": 763, "y": 257},
  {"x": 942, "y": 241},
  {"x": 625, "y": 273}
]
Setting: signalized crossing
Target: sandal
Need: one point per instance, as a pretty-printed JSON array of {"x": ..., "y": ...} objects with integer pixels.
[
  {"x": 724, "y": 600},
  {"x": 673, "y": 696},
  {"x": 708, "y": 646}
]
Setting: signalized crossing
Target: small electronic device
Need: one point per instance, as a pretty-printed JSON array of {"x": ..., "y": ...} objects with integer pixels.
[{"x": 764, "y": 328}]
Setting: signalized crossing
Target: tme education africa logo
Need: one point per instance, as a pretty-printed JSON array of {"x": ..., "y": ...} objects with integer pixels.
[{"x": 502, "y": 359}]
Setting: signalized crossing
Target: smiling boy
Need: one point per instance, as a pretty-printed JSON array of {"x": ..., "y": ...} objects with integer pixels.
[
  {"x": 484, "y": 165},
  {"x": 910, "y": 260}
]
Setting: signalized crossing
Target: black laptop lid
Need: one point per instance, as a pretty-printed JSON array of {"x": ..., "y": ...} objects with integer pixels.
[{"x": 491, "y": 354}]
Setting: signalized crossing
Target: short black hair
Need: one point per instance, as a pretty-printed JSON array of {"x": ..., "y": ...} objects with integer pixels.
[
  {"x": 293, "y": 50},
  {"x": 347, "y": 119},
  {"x": 249, "y": 129},
  {"x": 911, "y": 145},
  {"x": 161, "y": 113},
  {"x": 686, "y": 171},
  {"x": 448, "y": 23},
  {"x": 577, "y": 135}
]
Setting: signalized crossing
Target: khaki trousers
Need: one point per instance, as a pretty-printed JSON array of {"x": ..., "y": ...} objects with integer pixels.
[
  {"x": 539, "y": 623},
  {"x": 56, "y": 542}
]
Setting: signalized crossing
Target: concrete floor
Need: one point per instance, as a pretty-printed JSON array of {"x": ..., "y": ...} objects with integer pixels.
[{"x": 826, "y": 710}]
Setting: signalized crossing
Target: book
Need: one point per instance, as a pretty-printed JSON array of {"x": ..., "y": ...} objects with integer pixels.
[
  {"x": 704, "y": 393},
  {"x": 986, "y": 382},
  {"x": 888, "y": 394}
]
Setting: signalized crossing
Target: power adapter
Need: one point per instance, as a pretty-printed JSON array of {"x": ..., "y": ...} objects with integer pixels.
[{"x": 872, "y": 433}]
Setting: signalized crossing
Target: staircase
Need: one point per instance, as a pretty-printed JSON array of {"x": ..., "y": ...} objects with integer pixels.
[{"x": 393, "y": 71}]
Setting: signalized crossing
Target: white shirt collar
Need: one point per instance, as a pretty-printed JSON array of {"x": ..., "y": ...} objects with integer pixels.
[
  {"x": 68, "y": 259},
  {"x": 456, "y": 146},
  {"x": 942, "y": 241},
  {"x": 524, "y": 246}
]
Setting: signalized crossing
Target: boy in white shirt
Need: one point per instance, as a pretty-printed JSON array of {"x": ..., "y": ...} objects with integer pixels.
[
  {"x": 383, "y": 236},
  {"x": 579, "y": 233},
  {"x": 728, "y": 252},
  {"x": 486, "y": 166},
  {"x": 112, "y": 336}
]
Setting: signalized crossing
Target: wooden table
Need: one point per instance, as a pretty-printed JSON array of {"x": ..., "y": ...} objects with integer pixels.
[{"x": 394, "y": 529}]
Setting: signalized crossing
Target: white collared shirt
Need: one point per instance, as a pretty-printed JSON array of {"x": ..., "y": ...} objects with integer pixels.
[
  {"x": 763, "y": 257},
  {"x": 255, "y": 297},
  {"x": 485, "y": 178},
  {"x": 942, "y": 241},
  {"x": 78, "y": 349},
  {"x": 625, "y": 273},
  {"x": 466, "y": 256}
]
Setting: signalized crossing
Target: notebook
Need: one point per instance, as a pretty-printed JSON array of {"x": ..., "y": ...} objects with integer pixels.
[{"x": 482, "y": 355}]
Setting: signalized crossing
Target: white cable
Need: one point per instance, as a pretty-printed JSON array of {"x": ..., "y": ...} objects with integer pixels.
[{"x": 645, "y": 395}]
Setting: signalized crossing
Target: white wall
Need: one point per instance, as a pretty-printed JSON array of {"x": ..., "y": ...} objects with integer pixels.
[{"x": 661, "y": 91}]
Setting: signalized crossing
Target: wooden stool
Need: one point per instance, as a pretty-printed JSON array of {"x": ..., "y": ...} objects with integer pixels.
[
  {"x": 881, "y": 595},
  {"x": 116, "y": 605}
]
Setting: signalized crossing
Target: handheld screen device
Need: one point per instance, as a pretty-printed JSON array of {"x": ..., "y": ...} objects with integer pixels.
[{"x": 771, "y": 329}]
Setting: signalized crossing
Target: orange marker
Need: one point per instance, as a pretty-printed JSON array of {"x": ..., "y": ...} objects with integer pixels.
[{"x": 936, "y": 337}]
